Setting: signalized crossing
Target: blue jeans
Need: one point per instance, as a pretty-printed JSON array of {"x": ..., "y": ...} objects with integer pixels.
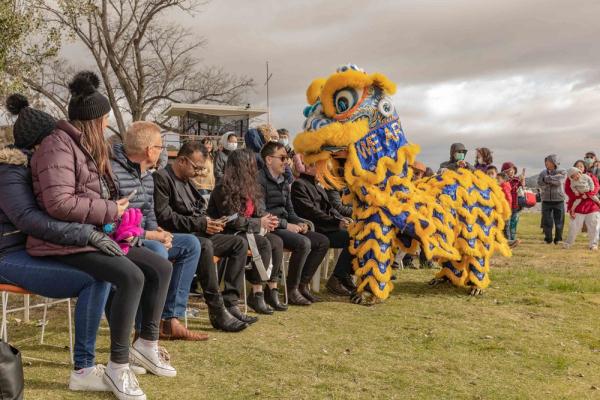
[
  {"x": 185, "y": 255},
  {"x": 510, "y": 229},
  {"x": 49, "y": 278}
]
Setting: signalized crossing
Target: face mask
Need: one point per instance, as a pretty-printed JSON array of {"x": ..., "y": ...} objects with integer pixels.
[
  {"x": 230, "y": 146},
  {"x": 588, "y": 161},
  {"x": 284, "y": 142},
  {"x": 459, "y": 156}
]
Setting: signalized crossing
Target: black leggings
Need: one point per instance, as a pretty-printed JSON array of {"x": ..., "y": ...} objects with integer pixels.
[{"x": 140, "y": 277}]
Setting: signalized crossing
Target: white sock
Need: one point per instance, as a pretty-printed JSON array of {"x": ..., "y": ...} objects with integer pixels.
[
  {"x": 146, "y": 344},
  {"x": 115, "y": 367}
]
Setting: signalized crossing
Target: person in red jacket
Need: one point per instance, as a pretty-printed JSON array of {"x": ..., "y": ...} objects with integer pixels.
[
  {"x": 585, "y": 212},
  {"x": 503, "y": 181},
  {"x": 515, "y": 182}
]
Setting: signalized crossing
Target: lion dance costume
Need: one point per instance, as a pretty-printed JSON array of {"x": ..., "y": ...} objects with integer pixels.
[{"x": 353, "y": 135}]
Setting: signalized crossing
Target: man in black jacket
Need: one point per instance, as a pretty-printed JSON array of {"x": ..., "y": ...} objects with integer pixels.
[
  {"x": 308, "y": 248},
  {"x": 179, "y": 207},
  {"x": 311, "y": 202}
]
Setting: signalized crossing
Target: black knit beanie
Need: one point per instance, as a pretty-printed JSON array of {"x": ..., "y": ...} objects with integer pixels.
[
  {"x": 32, "y": 125},
  {"x": 87, "y": 103}
]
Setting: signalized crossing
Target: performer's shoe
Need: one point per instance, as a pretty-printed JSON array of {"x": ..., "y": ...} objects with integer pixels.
[{"x": 335, "y": 286}]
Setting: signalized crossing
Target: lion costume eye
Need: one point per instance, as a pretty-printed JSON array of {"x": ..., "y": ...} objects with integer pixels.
[
  {"x": 345, "y": 99},
  {"x": 386, "y": 107}
]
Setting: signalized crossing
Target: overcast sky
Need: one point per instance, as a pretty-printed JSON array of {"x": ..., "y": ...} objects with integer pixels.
[{"x": 520, "y": 77}]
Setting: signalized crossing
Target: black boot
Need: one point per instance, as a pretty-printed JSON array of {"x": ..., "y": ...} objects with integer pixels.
[
  {"x": 305, "y": 291},
  {"x": 272, "y": 299},
  {"x": 348, "y": 283},
  {"x": 236, "y": 312},
  {"x": 335, "y": 286},
  {"x": 221, "y": 319},
  {"x": 295, "y": 298},
  {"x": 256, "y": 301}
]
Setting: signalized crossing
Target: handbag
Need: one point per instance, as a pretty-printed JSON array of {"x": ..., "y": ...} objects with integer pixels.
[{"x": 11, "y": 373}]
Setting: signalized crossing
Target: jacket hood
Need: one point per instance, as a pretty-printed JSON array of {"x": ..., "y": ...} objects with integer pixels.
[
  {"x": 456, "y": 147},
  {"x": 254, "y": 140},
  {"x": 13, "y": 156},
  {"x": 225, "y": 138},
  {"x": 553, "y": 158}
]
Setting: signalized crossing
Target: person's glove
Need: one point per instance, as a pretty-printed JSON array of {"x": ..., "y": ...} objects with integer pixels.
[{"x": 104, "y": 243}]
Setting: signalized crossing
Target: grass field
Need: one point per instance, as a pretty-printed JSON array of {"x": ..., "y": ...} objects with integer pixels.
[{"x": 534, "y": 334}]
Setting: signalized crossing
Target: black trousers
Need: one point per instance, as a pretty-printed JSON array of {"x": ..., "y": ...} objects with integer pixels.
[
  {"x": 141, "y": 277},
  {"x": 553, "y": 215},
  {"x": 341, "y": 240},
  {"x": 308, "y": 251},
  {"x": 270, "y": 247},
  {"x": 235, "y": 250}
]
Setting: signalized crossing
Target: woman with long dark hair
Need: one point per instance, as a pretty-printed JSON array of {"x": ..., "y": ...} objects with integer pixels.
[
  {"x": 483, "y": 159},
  {"x": 73, "y": 182},
  {"x": 239, "y": 193}
]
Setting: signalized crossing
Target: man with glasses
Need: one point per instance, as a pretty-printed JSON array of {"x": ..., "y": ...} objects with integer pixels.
[
  {"x": 179, "y": 207},
  {"x": 131, "y": 162},
  {"x": 308, "y": 248}
]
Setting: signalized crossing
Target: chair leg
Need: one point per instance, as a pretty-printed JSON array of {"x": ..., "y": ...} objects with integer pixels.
[
  {"x": 70, "y": 318},
  {"x": 3, "y": 331},
  {"x": 46, "y": 301},
  {"x": 245, "y": 296},
  {"x": 315, "y": 284},
  {"x": 185, "y": 318},
  {"x": 26, "y": 308},
  {"x": 283, "y": 277}
]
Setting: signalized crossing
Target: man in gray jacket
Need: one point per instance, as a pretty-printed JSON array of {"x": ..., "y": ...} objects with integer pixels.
[{"x": 551, "y": 182}]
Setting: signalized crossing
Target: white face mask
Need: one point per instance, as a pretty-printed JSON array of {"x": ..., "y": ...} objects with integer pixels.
[
  {"x": 230, "y": 146},
  {"x": 284, "y": 141}
]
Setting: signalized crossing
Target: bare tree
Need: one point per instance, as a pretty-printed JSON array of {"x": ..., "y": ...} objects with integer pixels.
[{"x": 143, "y": 64}]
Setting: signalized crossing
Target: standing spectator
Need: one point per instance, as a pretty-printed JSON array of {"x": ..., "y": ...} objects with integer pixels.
[
  {"x": 586, "y": 211},
  {"x": 516, "y": 183},
  {"x": 483, "y": 159},
  {"x": 239, "y": 193},
  {"x": 551, "y": 182},
  {"x": 229, "y": 143},
  {"x": 308, "y": 248},
  {"x": 458, "y": 152},
  {"x": 591, "y": 167},
  {"x": 419, "y": 170},
  {"x": 491, "y": 171},
  {"x": 503, "y": 181},
  {"x": 205, "y": 180}
]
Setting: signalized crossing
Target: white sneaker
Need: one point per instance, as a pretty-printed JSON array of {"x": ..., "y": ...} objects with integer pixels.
[
  {"x": 137, "y": 369},
  {"x": 90, "y": 380},
  {"x": 151, "y": 359},
  {"x": 124, "y": 384}
]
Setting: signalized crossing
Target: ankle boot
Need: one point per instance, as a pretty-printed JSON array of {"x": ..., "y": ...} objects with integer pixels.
[
  {"x": 272, "y": 299},
  {"x": 236, "y": 312},
  {"x": 221, "y": 319},
  {"x": 348, "y": 283},
  {"x": 256, "y": 301},
  {"x": 304, "y": 291},
  {"x": 295, "y": 298}
]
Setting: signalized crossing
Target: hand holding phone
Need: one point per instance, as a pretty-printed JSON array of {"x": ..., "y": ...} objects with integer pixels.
[{"x": 130, "y": 195}]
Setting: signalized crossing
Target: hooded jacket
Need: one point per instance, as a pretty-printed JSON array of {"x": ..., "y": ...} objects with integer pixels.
[
  {"x": 551, "y": 182},
  {"x": 452, "y": 164},
  {"x": 221, "y": 158},
  {"x": 67, "y": 186},
  {"x": 128, "y": 178},
  {"x": 20, "y": 214}
]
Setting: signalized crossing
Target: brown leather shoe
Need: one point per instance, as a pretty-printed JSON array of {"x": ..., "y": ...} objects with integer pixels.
[{"x": 172, "y": 329}]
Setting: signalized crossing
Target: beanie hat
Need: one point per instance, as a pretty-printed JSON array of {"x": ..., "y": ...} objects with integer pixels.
[
  {"x": 508, "y": 165},
  {"x": 32, "y": 125},
  {"x": 572, "y": 171},
  {"x": 87, "y": 103}
]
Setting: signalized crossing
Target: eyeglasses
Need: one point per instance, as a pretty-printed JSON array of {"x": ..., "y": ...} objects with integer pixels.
[
  {"x": 159, "y": 147},
  {"x": 282, "y": 158},
  {"x": 194, "y": 166}
]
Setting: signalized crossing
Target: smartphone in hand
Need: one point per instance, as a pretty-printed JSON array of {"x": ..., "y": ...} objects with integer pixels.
[{"x": 130, "y": 195}]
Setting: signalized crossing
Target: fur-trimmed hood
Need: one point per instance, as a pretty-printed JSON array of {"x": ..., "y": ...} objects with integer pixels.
[{"x": 13, "y": 156}]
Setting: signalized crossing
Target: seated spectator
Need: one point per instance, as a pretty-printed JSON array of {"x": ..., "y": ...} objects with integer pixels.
[
  {"x": 130, "y": 163},
  {"x": 551, "y": 182},
  {"x": 310, "y": 202},
  {"x": 179, "y": 207},
  {"x": 458, "y": 152},
  {"x": 20, "y": 216},
  {"x": 239, "y": 193},
  {"x": 205, "y": 180},
  {"x": 308, "y": 248},
  {"x": 483, "y": 159},
  {"x": 491, "y": 171},
  {"x": 73, "y": 182},
  {"x": 229, "y": 143},
  {"x": 582, "y": 208},
  {"x": 335, "y": 199}
]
